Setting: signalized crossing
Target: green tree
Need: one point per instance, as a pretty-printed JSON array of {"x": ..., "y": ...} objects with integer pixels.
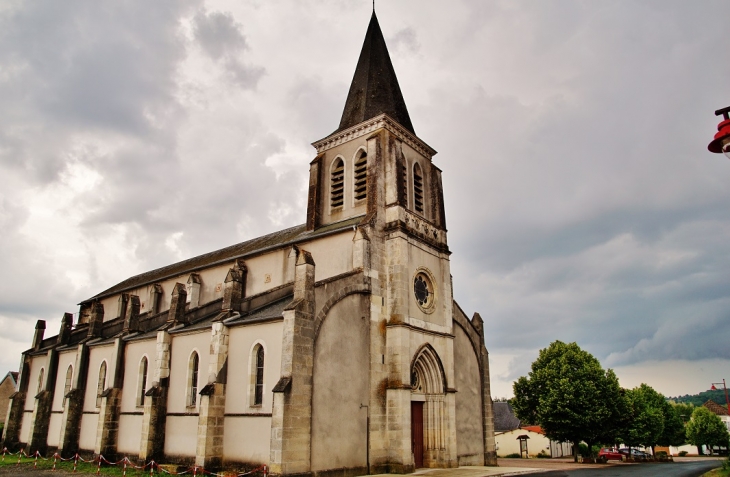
[
  {"x": 673, "y": 433},
  {"x": 684, "y": 410},
  {"x": 706, "y": 428},
  {"x": 571, "y": 397},
  {"x": 646, "y": 421}
]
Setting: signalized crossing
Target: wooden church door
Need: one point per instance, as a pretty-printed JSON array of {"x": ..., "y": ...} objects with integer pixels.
[{"x": 417, "y": 432}]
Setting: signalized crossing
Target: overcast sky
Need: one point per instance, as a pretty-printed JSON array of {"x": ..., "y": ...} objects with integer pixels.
[{"x": 581, "y": 201}]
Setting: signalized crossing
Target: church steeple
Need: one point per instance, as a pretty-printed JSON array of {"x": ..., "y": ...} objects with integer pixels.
[{"x": 374, "y": 89}]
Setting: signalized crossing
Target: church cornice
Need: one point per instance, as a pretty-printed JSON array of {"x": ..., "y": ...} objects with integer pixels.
[{"x": 382, "y": 121}]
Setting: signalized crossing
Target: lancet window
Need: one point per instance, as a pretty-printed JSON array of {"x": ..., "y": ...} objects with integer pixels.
[
  {"x": 101, "y": 384},
  {"x": 67, "y": 384},
  {"x": 193, "y": 380},
  {"x": 142, "y": 381}
]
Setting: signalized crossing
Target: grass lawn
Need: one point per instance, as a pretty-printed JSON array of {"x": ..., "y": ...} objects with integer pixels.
[{"x": 27, "y": 464}]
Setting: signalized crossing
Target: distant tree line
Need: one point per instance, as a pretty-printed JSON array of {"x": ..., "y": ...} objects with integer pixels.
[
  {"x": 717, "y": 395},
  {"x": 573, "y": 399}
]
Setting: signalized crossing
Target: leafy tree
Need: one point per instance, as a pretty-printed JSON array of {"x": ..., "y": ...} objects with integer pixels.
[
  {"x": 683, "y": 410},
  {"x": 674, "y": 433},
  {"x": 571, "y": 397},
  {"x": 706, "y": 428},
  {"x": 646, "y": 422}
]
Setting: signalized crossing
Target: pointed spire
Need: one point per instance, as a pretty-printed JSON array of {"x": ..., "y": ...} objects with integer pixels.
[{"x": 374, "y": 89}]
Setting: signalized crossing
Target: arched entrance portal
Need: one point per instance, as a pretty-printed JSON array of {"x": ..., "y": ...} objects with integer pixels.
[{"x": 428, "y": 409}]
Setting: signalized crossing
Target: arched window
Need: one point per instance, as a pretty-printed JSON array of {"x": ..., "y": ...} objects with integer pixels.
[
  {"x": 337, "y": 184},
  {"x": 258, "y": 395},
  {"x": 142, "y": 381},
  {"x": 67, "y": 385},
  {"x": 40, "y": 380},
  {"x": 101, "y": 384},
  {"x": 193, "y": 380},
  {"x": 417, "y": 188},
  {"x": 361, "y": 176}
]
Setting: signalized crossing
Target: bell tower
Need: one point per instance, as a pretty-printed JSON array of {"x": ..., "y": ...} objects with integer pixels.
[
  {"x": 341, "y": 182},
  {"x": 374, "y": 166}
]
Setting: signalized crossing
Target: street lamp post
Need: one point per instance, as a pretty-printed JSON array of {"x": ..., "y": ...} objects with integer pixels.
[
  {"x": 727, "y": 401},
  {"x": 721, "y": 142}
]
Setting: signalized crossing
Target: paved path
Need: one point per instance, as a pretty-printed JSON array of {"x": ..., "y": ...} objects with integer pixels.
[{"x": 682, "y": 467}]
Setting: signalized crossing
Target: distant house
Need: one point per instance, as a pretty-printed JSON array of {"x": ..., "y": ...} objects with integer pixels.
[
  {"x": 7, "y": 388},
  {"x": 508, "y": 430},
  {"x": 720, "y": 411}
]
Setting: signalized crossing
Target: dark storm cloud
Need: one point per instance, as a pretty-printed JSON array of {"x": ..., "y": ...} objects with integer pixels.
[{"x": 587, "y": 205}]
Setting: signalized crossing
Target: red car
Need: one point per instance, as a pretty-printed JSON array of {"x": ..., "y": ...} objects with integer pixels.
[{"x": 609, "y": 453}]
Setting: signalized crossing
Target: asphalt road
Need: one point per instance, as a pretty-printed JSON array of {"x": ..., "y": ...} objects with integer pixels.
[{"x": 677, "y": 469}]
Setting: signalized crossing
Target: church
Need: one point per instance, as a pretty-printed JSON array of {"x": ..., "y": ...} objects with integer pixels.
[{"x": 331, "y": 348}]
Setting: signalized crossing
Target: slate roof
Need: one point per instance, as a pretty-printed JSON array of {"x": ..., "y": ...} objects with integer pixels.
[
  {"x": 270, "y": 310},
  {"x": 716, "y": 408},
  {"x": 374, "y": 89},
  {"x": 274, "y": 240},
  {"x": 504, "y": 417}
]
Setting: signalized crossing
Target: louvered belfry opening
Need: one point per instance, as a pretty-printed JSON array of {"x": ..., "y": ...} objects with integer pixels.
[
  {"x": 404, "y": 179},
  {"x": 337, "y": 184},
  {"x": 417, "y": 189},
  {"x": 361, "y": 176}
]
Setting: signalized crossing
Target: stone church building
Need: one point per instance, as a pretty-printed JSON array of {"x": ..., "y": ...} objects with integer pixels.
[{"x": 330, "y": 348}]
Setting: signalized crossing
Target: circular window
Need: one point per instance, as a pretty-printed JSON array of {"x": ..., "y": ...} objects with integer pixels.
[{"x": 423, "y": 290}]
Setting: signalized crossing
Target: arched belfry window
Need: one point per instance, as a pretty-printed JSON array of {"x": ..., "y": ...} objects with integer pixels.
[
  {"x": 257, "y": 375},
  {"x": 142, "y": 381},
  {"x": 337, "y": 184},
  {"x": 193, "y": 379},
  {"x": 67, "y": 384},
  {"x": 404, "y": 181},
  {"x": 101, "y": 384},
  {"x": 361, "y": 175},
  {"x": 417, "y": 188}
]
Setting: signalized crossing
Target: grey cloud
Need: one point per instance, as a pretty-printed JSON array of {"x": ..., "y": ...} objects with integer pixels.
[
  {"x": 219, "y": 34},
  {"x": 221, "y": 37},
  {"x": 84, "y": 67},
  {"x": 406, "y": 40}
]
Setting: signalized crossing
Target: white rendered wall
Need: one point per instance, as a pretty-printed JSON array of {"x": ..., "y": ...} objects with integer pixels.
[
  {"x": 182, "y": 348},
  {"x": 90, "y": 416},
  {"x": 25, "y": 428},
  {"x": 54, "y": 429},
  {"x": 507, "y": 443},
  {"x": 181, "y": 434},
  {"x": 181, "y": 431},
  {"x": 87, "y": 437},
  {"x": 36, "y": 364},
  {"x": 130, "y": 430},
  {"x": 133, "y": 354},
  {"x": 247, "y": 438},
  {"x": 130, "y": 420},
  {"x": 241, "y": 343}
]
